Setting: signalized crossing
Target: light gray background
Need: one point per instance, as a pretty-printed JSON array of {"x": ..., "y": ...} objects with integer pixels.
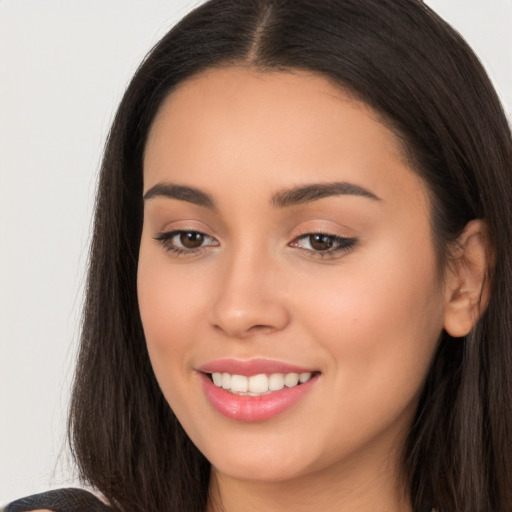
[{"x": 63, "y": 68}]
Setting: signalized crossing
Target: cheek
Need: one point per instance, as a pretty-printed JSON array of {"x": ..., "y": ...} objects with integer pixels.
[
  {"x": 170, "y": 302},
  {"x": 166, "y": 304},
  {"x": 379, "y": 323}
]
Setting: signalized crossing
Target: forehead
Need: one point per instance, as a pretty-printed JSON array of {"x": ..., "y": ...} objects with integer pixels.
[
  {"x": 271, "y": 99},
  {"x": 292, "y": 126}
]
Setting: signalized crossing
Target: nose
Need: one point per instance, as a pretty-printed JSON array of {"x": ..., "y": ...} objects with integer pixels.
[{"x": 250, "y": 297}]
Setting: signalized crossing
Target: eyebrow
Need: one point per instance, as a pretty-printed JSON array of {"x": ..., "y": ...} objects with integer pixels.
[
  {"x": 282, "y": 199},
  {"x": 182, "y": 193},
  {"x": 316, "y": 191}
]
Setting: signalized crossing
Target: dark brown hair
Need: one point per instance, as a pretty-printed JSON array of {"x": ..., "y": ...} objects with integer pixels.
[{"x": 418, "y": 73}]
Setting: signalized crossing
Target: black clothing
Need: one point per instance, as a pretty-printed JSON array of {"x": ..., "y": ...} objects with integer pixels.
[{"x": 61, "y": 500}]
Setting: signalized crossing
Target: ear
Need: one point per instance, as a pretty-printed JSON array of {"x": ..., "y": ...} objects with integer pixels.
[{"x": 467, "y": 284}]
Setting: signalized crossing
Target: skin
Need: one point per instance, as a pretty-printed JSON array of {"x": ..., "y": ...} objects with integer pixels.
[{"x": 368, "y": 318}]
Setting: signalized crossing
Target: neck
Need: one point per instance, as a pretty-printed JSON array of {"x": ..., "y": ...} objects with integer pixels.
[{"x": 371, "y": 487}]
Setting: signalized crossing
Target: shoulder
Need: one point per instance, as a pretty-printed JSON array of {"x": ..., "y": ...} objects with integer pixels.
[{"x": 61, "y": 500}]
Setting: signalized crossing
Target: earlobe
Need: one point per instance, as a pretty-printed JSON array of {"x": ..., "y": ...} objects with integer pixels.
[{"x": 468, "y": 284}]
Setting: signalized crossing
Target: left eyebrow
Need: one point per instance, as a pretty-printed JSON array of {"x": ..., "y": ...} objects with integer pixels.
[
  {"x": 181, "y": 193},
  {"x": 316, "y": 191}
]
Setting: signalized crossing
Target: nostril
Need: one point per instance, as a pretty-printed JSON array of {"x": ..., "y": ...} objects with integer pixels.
[
  {"x": 261, "y": 327},
  {"x": 239, "y": 312},
  {"x": 244, "y": 332}
]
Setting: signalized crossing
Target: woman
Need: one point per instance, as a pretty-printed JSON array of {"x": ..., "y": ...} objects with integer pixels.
[{"x": 299, "y": 288}]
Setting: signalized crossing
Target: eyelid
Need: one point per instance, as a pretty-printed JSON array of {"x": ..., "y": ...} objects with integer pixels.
[
  {"x": 344, "y": 238},
  {"x": 344, "y": 245},
  {"x": 165, "y": 237},
  {"x": 323, "y": 226}
]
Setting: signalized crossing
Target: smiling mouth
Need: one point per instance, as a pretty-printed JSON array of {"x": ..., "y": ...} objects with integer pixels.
[{"x": 258, "y": 385}]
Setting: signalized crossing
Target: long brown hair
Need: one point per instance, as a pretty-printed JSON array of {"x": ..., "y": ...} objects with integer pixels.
[{"x": 409, "y": 65}]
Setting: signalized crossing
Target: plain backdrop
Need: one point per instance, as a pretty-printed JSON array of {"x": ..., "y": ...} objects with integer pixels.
[{"x": 63, "y": 68}]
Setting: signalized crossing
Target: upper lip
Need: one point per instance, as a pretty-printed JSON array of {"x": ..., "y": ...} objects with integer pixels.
[{"x": 251, "y": 367}]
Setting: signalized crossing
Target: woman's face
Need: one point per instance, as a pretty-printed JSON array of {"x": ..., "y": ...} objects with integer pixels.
[{"x": 285, "y": 238}]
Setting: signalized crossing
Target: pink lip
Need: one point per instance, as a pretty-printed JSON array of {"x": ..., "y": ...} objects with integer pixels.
[
  {"x": 253, "y": 408},
  {"x": 251, "y": 367}
]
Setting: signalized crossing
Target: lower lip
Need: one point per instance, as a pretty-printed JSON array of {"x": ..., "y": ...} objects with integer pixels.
[{"x": 254, "y": 408}]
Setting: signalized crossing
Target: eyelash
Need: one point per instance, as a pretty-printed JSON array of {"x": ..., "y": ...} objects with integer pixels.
[
  {"x": 165, "y": 239},
  {"x": 339, "y": 244}
]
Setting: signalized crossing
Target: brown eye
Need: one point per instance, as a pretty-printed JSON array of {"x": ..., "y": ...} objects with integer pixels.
[
  {"x": 191, "y": 239},
  {"x": 182, "y": 242},
  {"x": 321, "y": 242}
]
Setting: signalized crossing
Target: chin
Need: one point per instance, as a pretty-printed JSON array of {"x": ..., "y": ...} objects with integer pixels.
[
  {"x": 265, "y": 458},
  {"x": 259, "y": 471}
]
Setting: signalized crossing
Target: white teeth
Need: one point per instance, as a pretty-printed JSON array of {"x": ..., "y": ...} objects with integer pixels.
[
  {"x": 276, "y": 382},
  {"x": 239, "y": 384},
  {"x": 226, "y": 381},
  {"x": 291, "y": 379},
  {"x": 304, "y": 377},
  {"x": 256, "y": 385}
]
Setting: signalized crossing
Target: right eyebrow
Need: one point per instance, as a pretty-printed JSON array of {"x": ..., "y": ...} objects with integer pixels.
[
  {"x": 316, "y": 191},
  {"x": 182, "y": 193}
]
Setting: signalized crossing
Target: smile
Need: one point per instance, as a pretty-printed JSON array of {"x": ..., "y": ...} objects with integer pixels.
[
  {"x": 257, "y": 385},
  {"x": 255, "y": 390}
]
